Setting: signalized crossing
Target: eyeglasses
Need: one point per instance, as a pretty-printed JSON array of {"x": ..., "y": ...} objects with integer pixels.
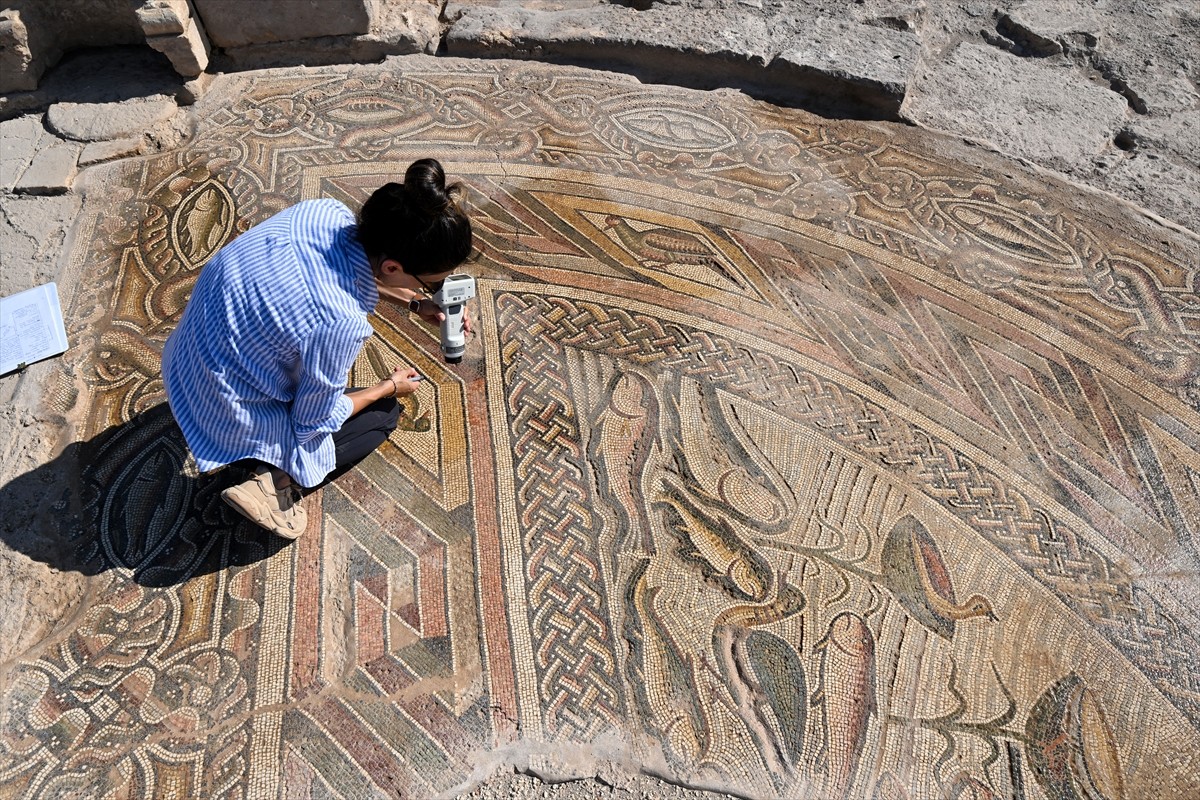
[{"x": 430, "y": 288}]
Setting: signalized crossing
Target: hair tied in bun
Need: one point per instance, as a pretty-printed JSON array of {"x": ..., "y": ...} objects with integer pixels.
[
  {"x": 419, "y": 223},
  {"x": 425, "y": 185}
]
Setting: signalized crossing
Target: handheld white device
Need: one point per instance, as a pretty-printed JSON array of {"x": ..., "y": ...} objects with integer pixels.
[{"x": 452, "y": 300}]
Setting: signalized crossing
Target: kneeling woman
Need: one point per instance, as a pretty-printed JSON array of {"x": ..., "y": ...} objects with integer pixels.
[{"x": 257, "y": 367}]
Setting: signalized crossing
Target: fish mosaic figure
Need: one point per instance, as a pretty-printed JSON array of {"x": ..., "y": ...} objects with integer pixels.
[{"x": 846, "y": 697}]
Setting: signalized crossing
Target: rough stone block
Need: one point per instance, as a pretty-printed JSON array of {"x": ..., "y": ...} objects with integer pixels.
[
  {"x": 52, "y": 172},
  {"x": 408, "y": 27},
  {"x": 836, "y": 55},
  {"x": 18, "y": 142},
  {"x": 1046, "y": 112},
  {"x": 33, "y": 231},
  {"x": 1041, "y": 28},
  {"x": 164, "y": 17},
  {"x": 95, "y": 122},
  {"x": 237, "y": 23},
  {"x": 857, "y": 69},
  {"x": 17, "y": 73},
  {"x": 97, "y": 152},
  {"x": 187, "y": 52},
  {"x": 657, "y": 38},
  {"x": 191, "y": 91},
  {"x": 1169, "y": 186},
  {"x": 862, "y": 53}
]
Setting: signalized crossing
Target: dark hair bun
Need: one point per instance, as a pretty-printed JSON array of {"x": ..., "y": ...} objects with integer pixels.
[
  {"x": 425, "y": 188},
  {"x": 418, "y": 223}
]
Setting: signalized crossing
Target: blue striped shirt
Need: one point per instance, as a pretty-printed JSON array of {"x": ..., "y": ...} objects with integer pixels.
[{"x": 257, "y": 367}]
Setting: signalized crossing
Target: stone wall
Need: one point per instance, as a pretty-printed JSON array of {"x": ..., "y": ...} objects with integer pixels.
[
  {"x": 34, "y": 34},
  {"x": 235, "y": 23},
  {"x": 244, "y": 34}
]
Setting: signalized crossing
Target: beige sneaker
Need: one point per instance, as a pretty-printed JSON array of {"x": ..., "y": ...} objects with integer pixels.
[{"x": 258, "y": 500}]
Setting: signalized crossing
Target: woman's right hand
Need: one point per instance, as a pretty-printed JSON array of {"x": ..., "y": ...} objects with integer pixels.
[{"x": 406, "y": 379}]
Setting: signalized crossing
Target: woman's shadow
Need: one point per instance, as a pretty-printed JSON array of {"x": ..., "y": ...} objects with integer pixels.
[{"x": 124, "y": 500}]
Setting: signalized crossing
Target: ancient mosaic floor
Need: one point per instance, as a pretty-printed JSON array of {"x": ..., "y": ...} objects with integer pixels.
[{"x": 793, "y": 458}]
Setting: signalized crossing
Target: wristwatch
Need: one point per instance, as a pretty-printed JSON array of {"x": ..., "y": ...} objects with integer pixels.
[{"x": 414, "y": 305}]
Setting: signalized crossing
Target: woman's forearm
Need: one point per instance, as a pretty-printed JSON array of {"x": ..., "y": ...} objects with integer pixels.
[{"x": 364, "y": 397}]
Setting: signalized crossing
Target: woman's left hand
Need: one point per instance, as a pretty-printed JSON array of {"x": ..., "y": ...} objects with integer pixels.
[{"x": 404, "y": 380}]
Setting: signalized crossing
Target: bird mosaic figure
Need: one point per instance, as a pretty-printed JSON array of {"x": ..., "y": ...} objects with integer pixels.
[
  {"x": 661, "y": 673},
  {"x": 672, "y": 128},
  {"x": 662, "y": 245},
  {"x": 916, "y": 574}
]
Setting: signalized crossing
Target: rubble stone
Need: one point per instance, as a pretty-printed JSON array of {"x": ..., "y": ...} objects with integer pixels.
[
  {"x": 1031, "y": 109},
  {"x": 52, "y": 171},
  {"x": 96, "y": 152},
  {"x": 19, "y": 139},
  {"x": 95, "y": 122},
  {"x": 873, "y": 63},
  {"x": 657, "y": 35},
  {"x": 188, "y": 51},
  {"x": 16, "y": 59},
  {"x": 164, "y": 17},
  {"x": 1044, "y": 28}
]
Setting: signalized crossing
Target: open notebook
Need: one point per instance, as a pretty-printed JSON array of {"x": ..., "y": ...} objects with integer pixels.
[{"x": 31, "y": 327}]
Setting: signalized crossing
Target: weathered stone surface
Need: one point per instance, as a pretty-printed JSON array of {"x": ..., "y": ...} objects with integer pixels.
[
  {"x": 899, "y": 16},
  {"x": 325, "y": 51},
  {"x": 874, "y": 62},
  {"x": 188, "y": 51},
  {"x": 1041, "y": 28},
  {"x": 230, "y": 23},
  {"x": 409, "y": 26},
  {"x": 862, "y": 69},
  {"x": 16, "y": 60},
  {"x": 611, "y": 781},
  {"x": 193, "y": 90},
  {"x": 1031, "y": 109},
  {"x": 608, "y": 31},
  {"x": 95, "y": 122},
  {"x": 1167, "y": 184},
  {"x": 1178, "y": 132},
  {"x": 164, "y": 17},
  {"x": 1152, "y": 55},
  {"x": 19, "y": 138},
  {"x": 96, "y": 152},
  {"x": 52, "y": 170},
  {"x": 33, "y": 234}
]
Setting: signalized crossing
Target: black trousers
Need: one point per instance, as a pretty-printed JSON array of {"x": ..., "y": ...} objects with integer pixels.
[{"x": 365, "y": 431}]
